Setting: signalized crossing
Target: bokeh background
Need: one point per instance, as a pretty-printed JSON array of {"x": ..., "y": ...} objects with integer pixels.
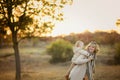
[{"x": 37, "y": 36}]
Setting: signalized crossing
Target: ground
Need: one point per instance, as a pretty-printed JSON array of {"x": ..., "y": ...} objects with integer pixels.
[{"x": 36, "y": 66}]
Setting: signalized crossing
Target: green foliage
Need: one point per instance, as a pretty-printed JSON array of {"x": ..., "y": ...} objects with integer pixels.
[
  {"x": 31, "y": 17},
  {"x": 60, "y": 50},
  {"x": 117, "y": 53}
]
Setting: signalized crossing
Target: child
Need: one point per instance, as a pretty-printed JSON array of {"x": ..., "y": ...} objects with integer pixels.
[{"x": 78, "y": 50}]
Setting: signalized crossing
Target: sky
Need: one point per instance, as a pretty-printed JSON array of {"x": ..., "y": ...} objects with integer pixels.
[{"x": 89, "y": 15}]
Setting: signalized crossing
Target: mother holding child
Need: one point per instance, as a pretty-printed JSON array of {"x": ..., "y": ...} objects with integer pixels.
[{"x": 83, "y": 61}]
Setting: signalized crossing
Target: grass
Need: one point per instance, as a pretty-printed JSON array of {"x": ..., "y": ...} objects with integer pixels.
[
  {"x": 106, "y": 72},
  {"x": 35, "y": 66}
]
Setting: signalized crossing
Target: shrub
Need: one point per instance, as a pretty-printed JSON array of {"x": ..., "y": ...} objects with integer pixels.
[
  {"x": 60, "y": 50},
  {"x": 117, "y": 53}
]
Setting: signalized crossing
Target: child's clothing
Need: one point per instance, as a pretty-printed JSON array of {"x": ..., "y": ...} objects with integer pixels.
[
  {"x": 78, "y": 71},
  {"x": 77, "y": 52}
]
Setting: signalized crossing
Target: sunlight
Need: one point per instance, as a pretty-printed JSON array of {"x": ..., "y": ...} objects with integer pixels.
[
  {"x": 65, "y": 28},
  {"x": 79, "y": 18}
]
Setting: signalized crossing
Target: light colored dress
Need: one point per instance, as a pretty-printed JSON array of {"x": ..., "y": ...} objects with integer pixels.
[{"x": 79, "y": 70}]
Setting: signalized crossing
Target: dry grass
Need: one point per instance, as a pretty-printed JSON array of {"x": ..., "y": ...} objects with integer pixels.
[
  {"x": 36, "y": 66},
  {"x": 105, "y": 72}
]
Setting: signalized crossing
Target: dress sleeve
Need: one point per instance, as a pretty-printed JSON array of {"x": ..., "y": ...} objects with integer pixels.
[
  {"x": 84, "y": 52},
  {"x": 74, "y": 57},
  {"x": 81, "y": 60}
]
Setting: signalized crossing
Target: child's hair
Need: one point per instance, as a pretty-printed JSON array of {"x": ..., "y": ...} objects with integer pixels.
[
  {"x": 93, "y": 43},
  {"x": 79, "y": 43}
]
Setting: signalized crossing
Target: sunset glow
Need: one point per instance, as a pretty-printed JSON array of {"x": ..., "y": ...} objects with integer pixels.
[{"x": 85, "y": 15}]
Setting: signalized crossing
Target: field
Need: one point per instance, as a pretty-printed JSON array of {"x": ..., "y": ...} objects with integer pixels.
[{"x": 35, "y": 65}]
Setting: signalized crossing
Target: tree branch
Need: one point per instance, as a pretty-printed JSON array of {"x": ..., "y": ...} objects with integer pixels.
[
  {"x": 3, "y": 9},
  {"x": 24, "y": 38},
  {"x": 25, "y": 8}
]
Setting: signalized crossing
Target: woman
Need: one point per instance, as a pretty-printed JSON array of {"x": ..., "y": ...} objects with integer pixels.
[{"x": 83, "y": 65}]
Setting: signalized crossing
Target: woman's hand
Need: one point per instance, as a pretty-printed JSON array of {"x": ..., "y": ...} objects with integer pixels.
[{"x": 91, "y": 57}]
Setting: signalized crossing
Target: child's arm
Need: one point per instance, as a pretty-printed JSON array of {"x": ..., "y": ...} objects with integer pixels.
[
  {"x": 80, "y": 60},
  {"x": 84, "y": 52}
]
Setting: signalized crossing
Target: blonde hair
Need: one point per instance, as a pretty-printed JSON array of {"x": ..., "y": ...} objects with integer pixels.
[
  {"x": 93, "y": 43},
  {"x": 79, "y": 43}
]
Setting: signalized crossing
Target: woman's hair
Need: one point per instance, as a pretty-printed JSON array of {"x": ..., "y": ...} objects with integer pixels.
[{"x": 93, "y": 43}]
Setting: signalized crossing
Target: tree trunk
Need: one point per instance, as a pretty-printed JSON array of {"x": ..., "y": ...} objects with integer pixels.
[{"x": 17, "y": 56}]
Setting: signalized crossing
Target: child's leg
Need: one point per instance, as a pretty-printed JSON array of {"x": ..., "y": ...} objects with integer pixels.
[
  {"x": 68, "y": 72},
  {"x": 85, "y": 78}
]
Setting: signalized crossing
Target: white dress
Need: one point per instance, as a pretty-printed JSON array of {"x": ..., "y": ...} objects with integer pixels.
[{"x": 79, "y": 70}]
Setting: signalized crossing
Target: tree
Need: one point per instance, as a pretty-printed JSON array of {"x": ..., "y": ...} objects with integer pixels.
[
  {"x": 29, "y": 18},
  {"x": 118, "y": 23},
  {"x": 60, "y": 50}
]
